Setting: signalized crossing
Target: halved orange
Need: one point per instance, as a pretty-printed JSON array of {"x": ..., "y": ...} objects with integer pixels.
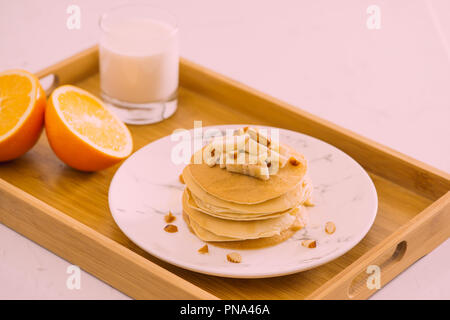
[
  {"x": 22, "y": 106},
  {"x": 83, "y": 132}
]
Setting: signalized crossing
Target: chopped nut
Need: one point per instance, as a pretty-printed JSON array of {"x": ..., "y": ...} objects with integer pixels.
[
  {"x": 330, "y": 227},
  {"x": 269, "y": 164},
  {"x": 213, "y": 151},
  {"x": 309, "y": 243},
  {"x": 203, "y": 249},
  {"x": 294, "y": 161},
  {"x": 297, "y": 225},
  {"x": 171, "y": 228},
  {"x": 294, "y": 211},
  {"x": 169, "y": 217},
  {"x": 181, "y": 178},
  {"x": 309, "y": 202},
  {"x": 245, "y": 129},
  {"x": 234, "y": 257}
]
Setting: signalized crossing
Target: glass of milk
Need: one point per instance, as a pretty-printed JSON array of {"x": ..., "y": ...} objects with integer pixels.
[{"x": 139, "y": 59}]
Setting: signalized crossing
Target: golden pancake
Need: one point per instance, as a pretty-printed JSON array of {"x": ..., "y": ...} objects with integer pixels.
[
  {"x": 206, "y": 201},
  {"x": 238, "y": 229},
  {"x": 194, "y": 204},
  {"x": 243, "y": 189},
  {"x": 204, "y": 234},
  {"x": 256, "y": 243},
  {"x": 240, "y": 188},
  {"x": 234, "y": 244}
]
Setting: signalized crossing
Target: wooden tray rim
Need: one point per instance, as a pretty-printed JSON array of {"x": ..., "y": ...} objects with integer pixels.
[{"x": 337, "y": 287}]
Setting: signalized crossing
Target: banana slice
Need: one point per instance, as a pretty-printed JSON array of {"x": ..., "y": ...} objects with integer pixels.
[
  {"x": 249, "y": 151},
  {"x": 230, "y": 143},
  {"x": 255, "y": 170}
]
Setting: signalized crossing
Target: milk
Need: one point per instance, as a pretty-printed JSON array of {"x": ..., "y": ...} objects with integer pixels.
[{"x": 139, "y": 60}]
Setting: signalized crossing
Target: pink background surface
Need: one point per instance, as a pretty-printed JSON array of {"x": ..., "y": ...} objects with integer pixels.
[{"x": 391, "y": 85}]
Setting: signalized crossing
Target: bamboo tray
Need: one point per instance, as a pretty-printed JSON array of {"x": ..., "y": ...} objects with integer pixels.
[{"x": 67, "y": 211}]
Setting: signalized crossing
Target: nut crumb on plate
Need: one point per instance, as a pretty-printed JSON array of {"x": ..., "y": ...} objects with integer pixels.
[
  {"x": 171, "y": 228},
  {"x": 309, "y": 243},
  {"x": 234, "y": 257},
  {"x": 181, "y": 178},
  {"x": 330, "y": 227},
  {"x": 169, "y": 217},
  {"x": 203, "y": 249},
  {"x": 297, "y": 225},
  {"x": 294, "y": 211}
]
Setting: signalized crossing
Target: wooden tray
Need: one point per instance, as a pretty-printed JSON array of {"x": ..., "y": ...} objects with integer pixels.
[{"x": 67, "y": 211}]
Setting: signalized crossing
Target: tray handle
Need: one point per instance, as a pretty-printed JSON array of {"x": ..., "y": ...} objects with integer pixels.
[
  {"x": 398, "y": 251},
  {"x": 49, "y": 83},
  {"x": 67, "y": 71},
  {"x": 370, "y": 277}
]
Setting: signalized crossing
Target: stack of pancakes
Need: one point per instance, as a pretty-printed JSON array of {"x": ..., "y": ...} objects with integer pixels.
[{"x": 240, "y": 211}]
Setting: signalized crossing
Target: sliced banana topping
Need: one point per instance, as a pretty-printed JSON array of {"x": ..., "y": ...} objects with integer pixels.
[
  {"x": 254, "y": 170},
  {"x": 249, "y": 151},
  {"x": 230, "y": 143},
  {"x": 258, "y": 136},
  {"x": 211, "y": 155}
]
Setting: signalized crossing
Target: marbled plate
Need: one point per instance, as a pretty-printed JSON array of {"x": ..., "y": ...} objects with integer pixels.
[{"x": 147, "y": 186}]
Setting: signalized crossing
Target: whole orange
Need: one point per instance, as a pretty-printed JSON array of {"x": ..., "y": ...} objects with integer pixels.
[{"x": 22, "y": 107}]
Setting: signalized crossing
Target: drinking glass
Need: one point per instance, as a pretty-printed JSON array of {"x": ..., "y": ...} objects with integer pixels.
[{"x": 139, "y": 60}]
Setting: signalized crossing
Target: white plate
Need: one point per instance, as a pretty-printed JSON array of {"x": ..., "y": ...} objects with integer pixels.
[{"x": 147, "y": 186}]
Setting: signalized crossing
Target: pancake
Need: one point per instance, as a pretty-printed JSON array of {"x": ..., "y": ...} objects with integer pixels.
[
  {"x": 204, "y": 234},
  {"x": 244, "y": 189},
  {"x": 194, "y": 204},
  {"x": 246, "y": 205},
  {"x": 238, "y": 229},
  {"x": 206, "y": 201},
  {"x": 234, "y": 244}
]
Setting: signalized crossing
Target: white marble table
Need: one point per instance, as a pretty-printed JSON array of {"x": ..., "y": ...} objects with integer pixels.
[{"x": 391, "y": 85}]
